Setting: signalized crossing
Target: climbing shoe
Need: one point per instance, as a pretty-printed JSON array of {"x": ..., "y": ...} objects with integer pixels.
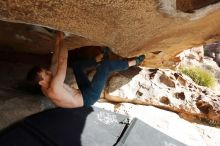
[
  {"x": 139, "y": 59},
  {"x": 105, "y": 51}
]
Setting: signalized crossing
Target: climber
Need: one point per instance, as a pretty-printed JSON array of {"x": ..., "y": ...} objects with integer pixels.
[{"x": 52, "y": 83}]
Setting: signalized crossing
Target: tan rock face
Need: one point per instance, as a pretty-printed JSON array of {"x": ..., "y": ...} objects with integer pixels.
[
  {"x": 17, "y": 37},
  {"x": 127, "y": 27}
]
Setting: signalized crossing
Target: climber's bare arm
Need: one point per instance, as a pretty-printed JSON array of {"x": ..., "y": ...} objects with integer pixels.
[
  {"x": 59, "y": 92},
  {"x": 54, "y": 60}
]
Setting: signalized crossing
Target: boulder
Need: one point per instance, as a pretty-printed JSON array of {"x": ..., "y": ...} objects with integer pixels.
[
  {"x": 160, "y": 29},
  {"x": 191, "y": 101}
]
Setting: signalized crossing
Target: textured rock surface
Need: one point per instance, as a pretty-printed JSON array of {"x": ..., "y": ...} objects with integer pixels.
[
  {"x": 128, "y": 27},
  {"x": 192, "y": 102},
  {"x": 34, "y": 39}
]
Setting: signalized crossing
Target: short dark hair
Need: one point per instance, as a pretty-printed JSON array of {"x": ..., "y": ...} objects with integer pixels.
[{"x": 33, "y": 78}]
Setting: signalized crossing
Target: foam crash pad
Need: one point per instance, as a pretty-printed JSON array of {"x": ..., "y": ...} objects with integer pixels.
[
  {"x": 83, "y": 127},
  {"x": 142, "y": 134},
  {"x": 66, "y": 127}
]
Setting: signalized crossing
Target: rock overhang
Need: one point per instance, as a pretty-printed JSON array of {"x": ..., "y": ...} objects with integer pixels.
[{"x": 129, "y": 28}]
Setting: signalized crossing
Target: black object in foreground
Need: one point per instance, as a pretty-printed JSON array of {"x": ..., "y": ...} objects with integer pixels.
[
  {"x": 82, "y": 127},
  {"x": 66, "y": 127}
]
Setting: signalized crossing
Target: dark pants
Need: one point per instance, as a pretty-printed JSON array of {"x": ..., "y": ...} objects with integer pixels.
[{"x": 91, "y": 90}]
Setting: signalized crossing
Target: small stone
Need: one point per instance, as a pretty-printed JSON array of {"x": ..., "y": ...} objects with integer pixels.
[
  {"x": 117, "y": 106},
  {"x": 176, "y": 75},
  {"x": 181, "y": 81},
  {"x": 199, "y": 97},
  {"x": 203, "y": 106},
  {"x": 180, "y": 95},
  {"x": 153, "y": 72},
  {"x": 205, "y": 92},
  {"x": 139, "y": 94},
  {"x": 165, "y": 100},
  {"x": 172, "y": 78},
  {"x": 167, "y": 81}
]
